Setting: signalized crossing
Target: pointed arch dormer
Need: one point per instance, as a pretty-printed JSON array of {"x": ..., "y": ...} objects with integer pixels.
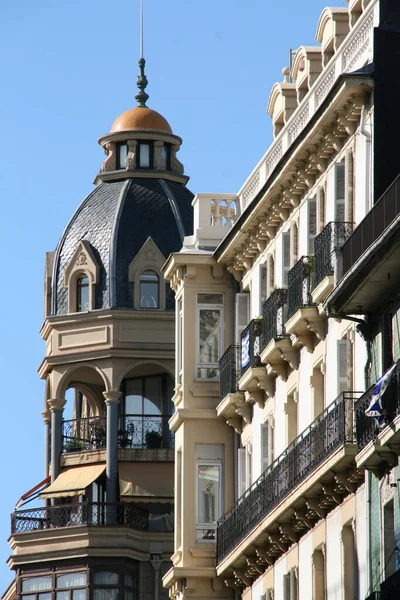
[
  {"x": 148, "y": 281},
  {"x": 80, "y": 278}
]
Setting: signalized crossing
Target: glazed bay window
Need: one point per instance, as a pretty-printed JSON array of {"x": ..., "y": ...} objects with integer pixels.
[
  {"x": 210, "y": 318},
  {"x": 209, "y": 473},
  {"x": 69, "y": 586}
]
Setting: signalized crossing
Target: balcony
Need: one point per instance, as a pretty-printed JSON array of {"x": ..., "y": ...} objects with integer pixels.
[
  {"x": 253, "y": 375},
  {"x": 122, "y": 514},
  {"x": 390, "y": 588},
  {"x": 276, "y": 347},
  {"x": 135, "y": 432},
  {"x": 229, "y": 371},
  {"x": 327, "y": 245},
  {"x": 309, "y": 478},
  {"x": 370, "y": 258},
  {"x": 377, "y": 445}
]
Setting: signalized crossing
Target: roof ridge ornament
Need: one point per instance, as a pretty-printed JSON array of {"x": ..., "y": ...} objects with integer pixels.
[{"x": 141, "y": 97}]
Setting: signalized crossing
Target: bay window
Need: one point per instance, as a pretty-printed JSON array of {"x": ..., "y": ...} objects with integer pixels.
[
  {"x": 209, "y": 478},
  {"x": 210, "y": 317}
]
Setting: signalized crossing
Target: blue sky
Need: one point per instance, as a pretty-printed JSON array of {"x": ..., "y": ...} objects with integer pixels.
[{"x": 68, "y": 70}]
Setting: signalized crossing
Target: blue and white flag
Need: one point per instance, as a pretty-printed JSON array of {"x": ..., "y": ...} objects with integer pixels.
[
  {"x": 245, "y": 350},
  {"x": 375, "y": 406}
]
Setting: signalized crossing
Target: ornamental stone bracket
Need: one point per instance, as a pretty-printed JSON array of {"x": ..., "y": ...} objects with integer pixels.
[
  {"x": 277, "y": 355},
  {"x": 305, "y": 325}
]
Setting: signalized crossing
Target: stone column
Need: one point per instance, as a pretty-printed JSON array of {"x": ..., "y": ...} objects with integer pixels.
[
  {"x": 112, "y": 402},
  {"x": 56, "y": 406},
  {"x": 46, "y": 419}
]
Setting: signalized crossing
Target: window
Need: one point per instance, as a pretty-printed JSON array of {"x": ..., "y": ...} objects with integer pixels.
[
  {"x": 146, "y": 409},
  {"x": 149, "y": 290},
  {"x": 82, "y": 293},
  {"x": 108, "y": 585},
  {"x": 209, "y": 470},
  {"x": 144, "y": 155},
  {"x": 166, "y": 154},
  {"x": 209, "y": 334},
  {"x": 69, "y": 586},
  {"x": 122, "y": 154},
  {"x": 180, "y": 340}
]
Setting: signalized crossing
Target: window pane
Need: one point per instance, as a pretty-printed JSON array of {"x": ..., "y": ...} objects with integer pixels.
[
  {"x": 209, "y": 336},
  {"x": 82, "y": 291},
  {"x": 28, "y": 597},
  {"x": 106, "y": 578},
  {"x": 144, "y": 155},
  {"x": 71, "y": 580},
  {"x": 123, "y": 153},
  {"x": 36, "y": 584},
  {"x": 62, "y": 595},
  {"x": 208, "y": 477},
  {"x": 79, "y": 595},
  {"x": 45, "y": 596},
  {"x": 153, "y": 396},
  {"x": 105, "y": 594},
  {"x": 210, "y": 299}
]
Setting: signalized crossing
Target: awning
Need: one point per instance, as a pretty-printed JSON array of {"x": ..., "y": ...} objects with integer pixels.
[
  {"x": 146, "y": 483},
  {"x": 33, "y": 493},
  {"x": 73, "y": 482}
]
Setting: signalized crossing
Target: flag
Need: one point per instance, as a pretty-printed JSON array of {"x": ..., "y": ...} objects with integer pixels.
[
  {"x": 245, "y": 350},
  {"x": 375, "y": 406}
]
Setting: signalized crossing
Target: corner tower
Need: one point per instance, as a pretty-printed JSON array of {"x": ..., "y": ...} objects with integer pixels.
[{"x": 103, "y": 522}]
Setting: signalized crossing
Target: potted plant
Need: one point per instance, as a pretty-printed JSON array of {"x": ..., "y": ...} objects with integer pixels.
[
  {"x": 74, "y": 446},
  {"x": 153, "y": 439},
  {"x": 257, "y": 325}
]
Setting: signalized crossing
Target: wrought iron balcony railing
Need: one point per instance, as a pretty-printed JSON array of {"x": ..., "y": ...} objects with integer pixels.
[
  {"x": 390, "y": 588},
  {"x": 332, "y": 429},
  {"x": 300, "y": 285},
  {"x": 274, "y": 314},
  {"x": 229, "y": 371},
  {"x": 145, "y": 431},
  {"x": 88, "y": 514},
  {"x": 331, "y": 238},
  {"x": 135, "y": 431},
  {"x": 80, "y": 435},
  {"x": 367, "y": 428},
  {"x": 381, "y": 215},
  {"x": 250, "y": 345}
]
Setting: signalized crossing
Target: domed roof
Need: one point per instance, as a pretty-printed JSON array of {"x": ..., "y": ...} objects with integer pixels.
[
  {"x": 116, "y": 218},
  {"x": 140, "y": 117}
]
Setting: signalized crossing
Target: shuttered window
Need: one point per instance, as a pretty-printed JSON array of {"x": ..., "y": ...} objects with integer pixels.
[
  {"x": 242, "y": 458},
  {"x": 286, "y": 257},
  {"x": 340, "y": 211},
  {"x": 265, "y": 456},
  {"x": 286, "y": 586},
  {"x": 263, "y": 285},
  {"x": 312, "y": 224},
  {"x": 242, "y": 319},
  {"x": 342, "y": 365}
]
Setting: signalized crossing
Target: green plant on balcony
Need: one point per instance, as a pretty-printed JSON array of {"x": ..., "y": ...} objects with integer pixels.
[
  {"x": 153, "y": 439},
  {"x": 74, "y": 446}
]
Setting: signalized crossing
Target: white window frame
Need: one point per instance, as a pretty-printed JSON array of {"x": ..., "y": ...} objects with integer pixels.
[
  {"x": 207, "y": 306},
  {"x": 180, "y": 339},
  {"x": 209, "y": 527}
]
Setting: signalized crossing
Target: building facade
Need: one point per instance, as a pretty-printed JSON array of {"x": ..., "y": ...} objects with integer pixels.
[
  {"x": 106, "y": 527},
  {"x": 287, "y": 311}
]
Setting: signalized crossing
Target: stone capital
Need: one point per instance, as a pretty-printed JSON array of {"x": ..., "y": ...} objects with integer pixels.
[
  {"x": 56, "y": 404},
  {"x": 46, "y": 414},
  {"x": 112, "y": 397}
]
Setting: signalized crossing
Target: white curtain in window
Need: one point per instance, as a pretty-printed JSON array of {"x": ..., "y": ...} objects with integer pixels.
[
  {"x": 105, "y": 578},
  {"x": 36, "y": 584},
  {"x": 71, "y": 580}
]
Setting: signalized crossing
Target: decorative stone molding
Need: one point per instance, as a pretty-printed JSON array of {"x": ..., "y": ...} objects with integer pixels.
[
  {"x": 149, "y": 258},
  {"x": 82, "y": 263}
]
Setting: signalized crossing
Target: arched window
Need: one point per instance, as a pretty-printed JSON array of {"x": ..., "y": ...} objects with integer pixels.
[
  {"x": 149, "y": 290},
  {"x": 82, "y": 293}
]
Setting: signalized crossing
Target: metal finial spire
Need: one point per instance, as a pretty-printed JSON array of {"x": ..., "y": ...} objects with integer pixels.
[{"x": 141, "y": 82}]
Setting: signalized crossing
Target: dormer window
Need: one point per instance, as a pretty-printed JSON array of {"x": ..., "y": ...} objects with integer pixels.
[
  {"x": 122, "y": 153},
  {"x": 166, "y": 154},
  {"x": 82, "y": 294},
  {"x": 144, "y": 155},
  {"x": 149, "y": 290}
]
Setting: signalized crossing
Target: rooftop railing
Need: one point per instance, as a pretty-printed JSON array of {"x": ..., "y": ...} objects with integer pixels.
[
  {"x": 331, "y": 430},
  {"x": 326, "y": 243},
  {"x": 229, "y": 371}
]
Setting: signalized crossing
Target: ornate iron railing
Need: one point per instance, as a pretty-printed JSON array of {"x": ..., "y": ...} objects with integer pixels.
[
  {"x": 88, "y": 514},
  {"x": 300, "y": 285},
  {"x": 326, "y": 243},
  {"x": 332, "y": 429},
  {"x": 84, "y": 434},
  {"x": 250, "y": 345},
  {"x": 381, "y": 215},
  {"x": 390, "y": 588},
  {"x": 229, "y": 371},
  {"x": 274, "y": 314},
  {"x": 145, "y": 431},
  {"x": 367, "y": 428}
]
